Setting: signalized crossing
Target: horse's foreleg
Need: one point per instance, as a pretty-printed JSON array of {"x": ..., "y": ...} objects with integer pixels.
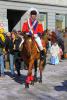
[
  {"x": 29, "y": 78},
  {"x": 35, "y": 70}
]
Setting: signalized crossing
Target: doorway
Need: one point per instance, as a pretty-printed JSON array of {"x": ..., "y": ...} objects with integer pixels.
[{"x": 14, "y": 16}]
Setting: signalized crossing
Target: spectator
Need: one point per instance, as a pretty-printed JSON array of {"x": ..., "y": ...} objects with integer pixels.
[
  {"x": 54, "y": 59},
  {"x": 2, "y": 44},
  {"x": 9, "y": 45}
]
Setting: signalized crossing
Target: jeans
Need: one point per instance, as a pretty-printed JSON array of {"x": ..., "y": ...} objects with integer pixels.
[
  {"x": 2, "y": 64},
  {"x": 17, "y": 62},
  {"x": 11, "y": 58}
]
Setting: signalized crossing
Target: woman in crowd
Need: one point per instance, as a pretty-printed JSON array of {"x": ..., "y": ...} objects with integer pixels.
[
  {"x": 16, "y": 46},
  {"x": 9, "y": 46},
  {"x": 2, "y": 44}
]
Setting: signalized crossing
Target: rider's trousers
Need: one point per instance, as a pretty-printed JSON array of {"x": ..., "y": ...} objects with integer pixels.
[{"x": 38, "y": 40}]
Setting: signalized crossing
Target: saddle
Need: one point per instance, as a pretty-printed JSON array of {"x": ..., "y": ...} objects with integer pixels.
[
  {"x": 31, "y": 39},
  {"x": 36, "y": 45}
]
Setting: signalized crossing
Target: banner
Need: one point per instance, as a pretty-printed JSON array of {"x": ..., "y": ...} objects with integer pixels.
[{"x": 4, "y": 24}]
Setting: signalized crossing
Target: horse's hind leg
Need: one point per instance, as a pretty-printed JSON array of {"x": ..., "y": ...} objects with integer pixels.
[
  {"x": 35, "y": 71},
  {"x": 41, "y": 70}
]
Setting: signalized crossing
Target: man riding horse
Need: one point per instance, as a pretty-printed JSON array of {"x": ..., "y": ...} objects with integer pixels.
[{"x": 33, "y": 28}]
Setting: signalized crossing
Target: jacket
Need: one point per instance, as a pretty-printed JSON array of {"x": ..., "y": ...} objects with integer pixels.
[
  {"x": 2, "y": 43},
  {"x": 38, "y": 29}
]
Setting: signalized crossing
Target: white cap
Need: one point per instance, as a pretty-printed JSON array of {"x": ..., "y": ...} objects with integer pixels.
[{"x": 31, "y": 9}]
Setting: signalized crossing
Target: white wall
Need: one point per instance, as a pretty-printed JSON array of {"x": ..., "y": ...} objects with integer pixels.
[
  {"x": 54, "y": 2},
  {"x": 3, "y": 19},
  {"x": 50, "y": 10},
  {"x": 66, "y": 20}
]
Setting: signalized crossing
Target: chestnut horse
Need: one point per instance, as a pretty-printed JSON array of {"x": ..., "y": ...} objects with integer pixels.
[{"x": 31, "y": 53}]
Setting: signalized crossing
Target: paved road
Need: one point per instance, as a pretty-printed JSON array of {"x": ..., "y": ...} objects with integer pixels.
[{"x": 54, "y": 86}]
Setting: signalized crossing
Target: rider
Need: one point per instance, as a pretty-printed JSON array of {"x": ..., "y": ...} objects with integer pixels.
[{"x": 34, "y": 28}]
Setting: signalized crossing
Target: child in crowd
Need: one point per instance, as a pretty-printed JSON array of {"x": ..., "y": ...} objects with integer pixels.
[{"x": 54, "y": 59}]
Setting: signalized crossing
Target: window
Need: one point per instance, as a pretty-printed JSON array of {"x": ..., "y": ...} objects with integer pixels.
[
  {"x": 43, "y": 19},
  {"x": 60, "y": 21}
]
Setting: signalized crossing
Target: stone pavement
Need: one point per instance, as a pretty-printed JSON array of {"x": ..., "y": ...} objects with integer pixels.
[{"x": 54, "y": 86}]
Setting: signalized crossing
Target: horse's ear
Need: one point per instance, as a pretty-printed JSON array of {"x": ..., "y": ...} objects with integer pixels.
[{"x": 23, "y": 33}]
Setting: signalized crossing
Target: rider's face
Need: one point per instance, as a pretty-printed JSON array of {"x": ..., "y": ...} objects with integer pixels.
[{"x": 33, "y": 17}]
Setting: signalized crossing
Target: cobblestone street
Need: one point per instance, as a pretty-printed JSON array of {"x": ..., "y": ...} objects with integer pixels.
[
  {"x": 30, "y": 31},
  {"x": 54, "y": 86}
]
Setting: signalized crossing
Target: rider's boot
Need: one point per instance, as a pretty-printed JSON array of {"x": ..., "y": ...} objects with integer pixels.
[{"x": 42, "y": 54}]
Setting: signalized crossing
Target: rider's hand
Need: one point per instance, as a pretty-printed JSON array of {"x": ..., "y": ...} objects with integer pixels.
[
  {"x": 27, "y": 33},
  {"x": 39, "y": 34}
]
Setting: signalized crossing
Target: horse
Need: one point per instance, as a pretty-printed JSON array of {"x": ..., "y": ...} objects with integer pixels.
[{"x": 31, "y": 54}]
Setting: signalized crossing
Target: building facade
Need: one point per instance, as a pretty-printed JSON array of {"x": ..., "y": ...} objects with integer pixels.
[{"x": 53, "y": 13}]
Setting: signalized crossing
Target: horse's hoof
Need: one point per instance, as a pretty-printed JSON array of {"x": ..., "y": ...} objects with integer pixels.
[
  {"x": 26, "y": 85},
  {"x": 40, "y": 81},
  {"x": 35, "y": 80},
  {"x": 32, "y": 82}
]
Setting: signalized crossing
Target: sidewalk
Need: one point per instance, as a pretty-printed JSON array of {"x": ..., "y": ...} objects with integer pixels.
[{"x": 54, "y": 86}]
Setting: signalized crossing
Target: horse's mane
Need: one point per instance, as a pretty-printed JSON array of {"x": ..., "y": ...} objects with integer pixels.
[{"x": 30, "y": 44}]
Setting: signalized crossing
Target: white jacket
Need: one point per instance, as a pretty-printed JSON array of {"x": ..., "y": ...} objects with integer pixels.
[{"x": 54, "y": 50}]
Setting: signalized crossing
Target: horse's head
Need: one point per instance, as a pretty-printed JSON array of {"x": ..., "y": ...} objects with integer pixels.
[
  {"x": 28, "y": 44},
  {"x": 20, "y": 36},
  {"x": 26, "y": 41}
]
